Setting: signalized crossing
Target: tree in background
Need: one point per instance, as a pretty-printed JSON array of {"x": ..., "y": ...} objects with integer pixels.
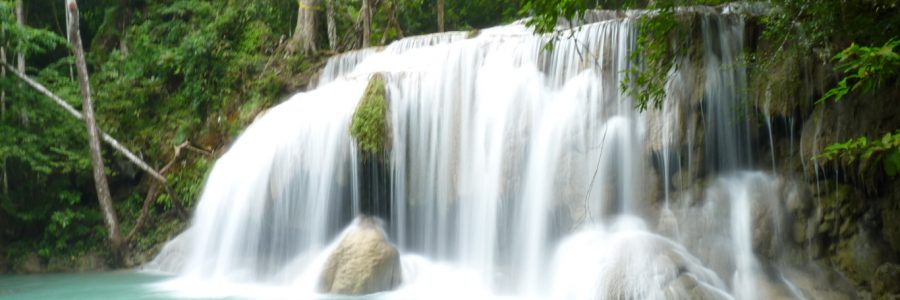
[
  {"x": 103, "y": 195},
  {"x": 304, "y": 37},
  {"x": 440, "y": 15}
]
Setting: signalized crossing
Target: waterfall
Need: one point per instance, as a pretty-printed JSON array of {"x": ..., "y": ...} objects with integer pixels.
[{"x": 514, "y": 170}]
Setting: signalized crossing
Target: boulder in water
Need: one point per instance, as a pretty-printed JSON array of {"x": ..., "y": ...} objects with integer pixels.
[{"x": 363, "y": 263}]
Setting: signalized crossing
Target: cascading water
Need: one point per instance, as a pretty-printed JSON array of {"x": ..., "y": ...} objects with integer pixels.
[{"x": 513, "y": 171}]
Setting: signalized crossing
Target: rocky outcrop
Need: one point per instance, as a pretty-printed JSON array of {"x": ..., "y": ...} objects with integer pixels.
[{"x": 363, "y": 263}]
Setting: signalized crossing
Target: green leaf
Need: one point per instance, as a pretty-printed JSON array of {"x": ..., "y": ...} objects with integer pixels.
[{"x": 891, "y": 163}]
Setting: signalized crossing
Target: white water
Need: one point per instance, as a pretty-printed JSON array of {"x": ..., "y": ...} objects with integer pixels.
[{"x": 514, "y": 172}]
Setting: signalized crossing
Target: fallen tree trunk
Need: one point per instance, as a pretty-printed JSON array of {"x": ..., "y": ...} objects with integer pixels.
[{"x": 72, "y": 111}]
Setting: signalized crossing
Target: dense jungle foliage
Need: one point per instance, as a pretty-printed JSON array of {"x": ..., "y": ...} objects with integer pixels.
[{"x": 177, "y": 80}]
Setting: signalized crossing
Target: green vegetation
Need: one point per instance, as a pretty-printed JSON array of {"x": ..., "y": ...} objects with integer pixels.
[
  {"x": 369, "y": 126},
  {"x": 867, "y": 152},
  {"x": 866, "y": 68},
  {"x": 177, "y": 71}
]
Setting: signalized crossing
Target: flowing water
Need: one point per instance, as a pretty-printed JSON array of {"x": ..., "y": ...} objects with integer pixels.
[{"x": 515, "y": 171}]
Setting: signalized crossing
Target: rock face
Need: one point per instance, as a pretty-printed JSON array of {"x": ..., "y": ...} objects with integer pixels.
[
  {"x": 885, "y": 283},
  {"x": 363, "y": 263}
]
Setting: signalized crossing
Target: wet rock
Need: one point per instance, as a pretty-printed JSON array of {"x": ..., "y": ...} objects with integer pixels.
[
  {"x": 799, "y": 230},
  {"x": 90, "y": 262},
  {"x": 886, "y": 282},
  {"x": 668, "y": 223},
  {"x": 860, "y": 255},
  {"x": 764, "y": 228},
  {"x": 890, "y": 213},
  {"x": 815, "y": 282},
  {"x": 686, "y": 286},
  {"x": 766, "y": 288},
  {"x": 82, "y": 263},
  {"x": 363, "y": 263},
  {"x": 798, "y": 203},
  {"x": 29, "y": 264},
  {"x": 838, "y": 121}
]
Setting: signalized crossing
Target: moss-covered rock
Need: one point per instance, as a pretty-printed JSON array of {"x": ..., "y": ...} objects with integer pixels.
[
  {"x": 886, "y": 283},
  {"x": 81, "y": 263},
  {"x": 890, "y": 216},
  {"x": 370, "y": 120},
  {"x": 859, "y": 256}
]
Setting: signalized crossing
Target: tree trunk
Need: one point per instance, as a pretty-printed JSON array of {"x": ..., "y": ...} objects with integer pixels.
[
  {"x": 105, "y": 199},
  {"x": 440, "y": 15},
  {"x": 20, "y": 57},
  {"x": 123, "y": 19},
  {"x": 365, "y": 16},
  {"x": 332, "y": 27},
  {"x": 20, "y": 19},
  {"x": 3, "y": 114},
  {"x": 304, "y": 38},
  {"x": 391, "y": 8}
]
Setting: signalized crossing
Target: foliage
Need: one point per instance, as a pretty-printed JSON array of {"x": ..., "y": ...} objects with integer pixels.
[
  {"x": 547, "y": 13},
  {"x": 43, "y": 151},
  {"x": 369, "y": 124},
  {"x": 171, "y": 71},
  {"x": 867, "y": 152},
  {"x": 867, "y": 68},
  {"x": 24, "y": 39},
  {"x": 819, "y": 26},
  {"x": 645, "y": 81}
]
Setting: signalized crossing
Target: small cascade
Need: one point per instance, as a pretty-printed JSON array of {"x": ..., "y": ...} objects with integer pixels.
[{"x": 513, "y": 171}]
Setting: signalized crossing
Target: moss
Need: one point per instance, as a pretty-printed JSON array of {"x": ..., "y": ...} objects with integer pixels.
[
  {"x": 369, "y": 126},
  {"x": 886, "y": 283},
  {"x": 890, "y": 212}
]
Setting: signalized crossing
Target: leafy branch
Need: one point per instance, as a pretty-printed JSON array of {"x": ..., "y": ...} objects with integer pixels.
[
  {"x": 867, "y": 152},
  {"x": 867, "y": 68}
]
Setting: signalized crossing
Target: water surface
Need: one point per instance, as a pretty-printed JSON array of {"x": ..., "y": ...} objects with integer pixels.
[{"x": 106, "y": 285}]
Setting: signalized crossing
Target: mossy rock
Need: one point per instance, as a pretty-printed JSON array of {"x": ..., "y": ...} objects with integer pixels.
[
  {"x": 890, "y": 213},
  {"x": 859, "y": 256},
  {"x": 886, "y": 283},
  {"x": 369, "y": 126}
]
